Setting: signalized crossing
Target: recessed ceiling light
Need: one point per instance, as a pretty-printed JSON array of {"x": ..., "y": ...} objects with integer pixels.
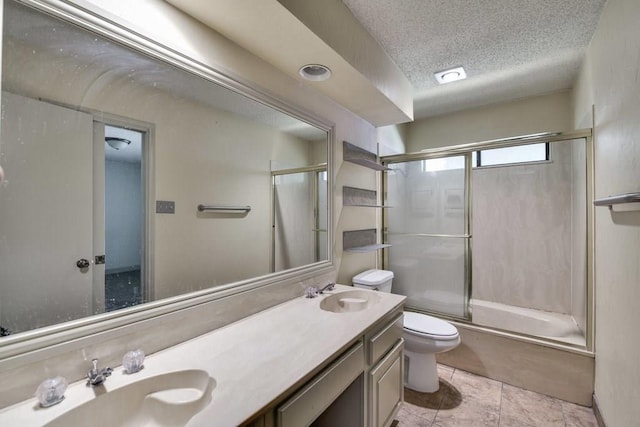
[
  {"x": 315, "y": 72},
  {"x": 451, "y": 75}
]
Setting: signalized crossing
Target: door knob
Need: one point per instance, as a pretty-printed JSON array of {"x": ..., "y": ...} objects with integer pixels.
[{"x": 82, "y": 263}]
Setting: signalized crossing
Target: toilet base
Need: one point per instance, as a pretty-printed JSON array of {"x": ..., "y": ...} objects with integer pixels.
[{"x": 421, "y": 372}]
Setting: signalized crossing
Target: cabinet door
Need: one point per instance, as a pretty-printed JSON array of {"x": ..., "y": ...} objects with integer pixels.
[
  {"x": 310, "y": 402},
  {"x": 387, "y": 388}
]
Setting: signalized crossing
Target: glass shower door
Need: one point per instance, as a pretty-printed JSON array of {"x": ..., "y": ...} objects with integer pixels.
[{"x": 428, "y": 229}]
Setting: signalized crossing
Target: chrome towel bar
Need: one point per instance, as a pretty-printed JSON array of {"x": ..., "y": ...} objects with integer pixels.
[
  {"x": 220, "y": 208},
  {"x": 617, "y": 200}
]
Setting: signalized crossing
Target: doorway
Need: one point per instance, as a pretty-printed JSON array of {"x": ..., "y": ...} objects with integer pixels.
[{"x": 124, "y": 222}]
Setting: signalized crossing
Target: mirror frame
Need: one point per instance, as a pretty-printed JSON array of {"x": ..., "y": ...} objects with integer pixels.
[{"x": 37, "y": 339}]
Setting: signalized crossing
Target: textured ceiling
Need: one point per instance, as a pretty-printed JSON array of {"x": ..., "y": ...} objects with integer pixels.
[{"x": 509, "y": 48}]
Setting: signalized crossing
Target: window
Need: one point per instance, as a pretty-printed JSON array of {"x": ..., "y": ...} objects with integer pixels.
[
  {"x": 491, "y": 157},
  {"x": 512, "y": 155}
]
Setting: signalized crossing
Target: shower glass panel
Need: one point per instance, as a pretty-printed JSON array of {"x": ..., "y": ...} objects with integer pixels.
[
  {"x": 299, "y": 217},
  {"x": 428, "y": 229}
]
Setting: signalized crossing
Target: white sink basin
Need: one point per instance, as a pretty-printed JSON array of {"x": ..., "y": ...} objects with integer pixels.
[
  {"x": 163, "y": 400},
  {"x": 349, "y": 301}
]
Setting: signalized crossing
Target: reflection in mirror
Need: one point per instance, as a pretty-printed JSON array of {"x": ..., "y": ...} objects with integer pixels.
[{"x": 107, "y": 153}]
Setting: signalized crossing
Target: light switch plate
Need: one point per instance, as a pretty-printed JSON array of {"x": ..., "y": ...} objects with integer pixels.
[{"x": 165, "y": 206}]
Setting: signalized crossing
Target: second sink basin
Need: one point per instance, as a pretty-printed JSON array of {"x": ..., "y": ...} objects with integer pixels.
[
  {"x": 349, "y": 301},
  {"x": 162, "y": 400}
]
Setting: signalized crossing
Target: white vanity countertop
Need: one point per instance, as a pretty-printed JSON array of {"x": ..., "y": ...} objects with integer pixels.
[{"x": 253, "y": 361}]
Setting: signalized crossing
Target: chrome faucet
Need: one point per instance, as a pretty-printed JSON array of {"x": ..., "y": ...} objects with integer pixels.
[
  {"x": 328, "y": 287},
  {"x": 97, "y": 376}
]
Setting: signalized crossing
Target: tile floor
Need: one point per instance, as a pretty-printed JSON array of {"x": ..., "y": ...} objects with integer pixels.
[{"x": 465, "y": 399}]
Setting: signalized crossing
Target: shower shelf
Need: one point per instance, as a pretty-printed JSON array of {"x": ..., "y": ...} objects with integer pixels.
[
  {"x": 617, "y": 200},
  {"x": 360, "y": 156},
  {"x": 367, "y": 248},
  {"x": 352, "y": 196},
  {"x": 361, "y": 241}
]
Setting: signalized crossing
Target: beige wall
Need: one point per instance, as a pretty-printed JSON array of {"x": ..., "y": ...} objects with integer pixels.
[
  {"x": 547, "y": 113},
  {"x": 609, "y": 79}
]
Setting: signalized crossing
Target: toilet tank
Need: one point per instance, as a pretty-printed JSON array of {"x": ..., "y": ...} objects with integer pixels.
[{"x": 379, "y": 280}]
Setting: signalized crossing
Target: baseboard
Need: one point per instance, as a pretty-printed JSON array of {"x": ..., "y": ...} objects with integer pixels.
[{"x": 596, "y": 412}]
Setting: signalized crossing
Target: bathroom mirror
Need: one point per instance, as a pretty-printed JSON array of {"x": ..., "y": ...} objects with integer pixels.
[{"x": 130, "y": 180}]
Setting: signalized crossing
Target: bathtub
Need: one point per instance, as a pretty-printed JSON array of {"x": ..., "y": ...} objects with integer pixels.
[{"x": 538, "y": 323}]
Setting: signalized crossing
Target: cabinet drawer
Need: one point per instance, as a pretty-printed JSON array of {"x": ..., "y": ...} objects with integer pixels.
[
  {"x": 387, "y": 386},
  {"x": 307, "y": 404},
  {"x": 382, "y": 341}
]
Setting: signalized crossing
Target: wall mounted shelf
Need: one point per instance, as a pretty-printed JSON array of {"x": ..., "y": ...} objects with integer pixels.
[
  {"x": 368, "y": 248},
  {"x": 360, "y": 156},
  {"x": 361, "y": 241},
  {"x": 352, "y": 196}
]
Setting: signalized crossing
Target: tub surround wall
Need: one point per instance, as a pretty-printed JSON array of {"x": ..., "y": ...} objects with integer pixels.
[
  {"x": 609, "y": 79},
  {"x": 564, "y": 374},
  {"x": 522, "y": 225}
]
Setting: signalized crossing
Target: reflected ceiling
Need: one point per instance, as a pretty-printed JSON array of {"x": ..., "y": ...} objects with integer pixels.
[{"x": 28, "y": 29}]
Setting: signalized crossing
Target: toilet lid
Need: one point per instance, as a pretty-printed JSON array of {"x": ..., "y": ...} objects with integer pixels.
[{"x": 428, "y": 325}]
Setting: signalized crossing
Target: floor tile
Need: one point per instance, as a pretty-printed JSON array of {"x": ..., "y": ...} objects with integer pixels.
[
  {"x": 466, "y": 399},
  {"x": 445, "y": 372},
  {"x": 472, "y": 401},
  {"x": 527, "y": 408},
  {"x": 578, "y": 416},
  {"x": 414, "y": 416}
]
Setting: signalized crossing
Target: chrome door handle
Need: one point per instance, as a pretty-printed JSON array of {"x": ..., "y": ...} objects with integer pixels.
[{"x": 82, "y": 263}]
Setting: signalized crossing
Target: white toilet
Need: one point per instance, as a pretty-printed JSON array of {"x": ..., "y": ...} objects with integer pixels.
[{"x": 424, "y": 336}]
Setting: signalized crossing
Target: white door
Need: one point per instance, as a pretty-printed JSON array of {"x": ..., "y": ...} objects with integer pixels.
[{"x": 46, "y": 214}]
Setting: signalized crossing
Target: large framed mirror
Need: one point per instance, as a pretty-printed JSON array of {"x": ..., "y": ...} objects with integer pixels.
[{"x": 131, "y": 180}]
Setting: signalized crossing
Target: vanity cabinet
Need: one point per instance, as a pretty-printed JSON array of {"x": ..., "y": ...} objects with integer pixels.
[
  {"x": 315, "y": 401},
  {"x": 363, "y": 386},
  {"x": 385, "y": 381}
]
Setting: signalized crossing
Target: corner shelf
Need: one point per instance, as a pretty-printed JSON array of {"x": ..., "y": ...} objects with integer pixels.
[
  {"x": 361, "y": 241},
  {"x": 352, "y": 196},
  {"x": 360, "y": 156}
]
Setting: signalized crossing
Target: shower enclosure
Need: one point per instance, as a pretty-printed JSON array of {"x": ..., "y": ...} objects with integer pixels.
[
  {"x": 299, "y": 217},
  {"x": 496, "y": 234}
]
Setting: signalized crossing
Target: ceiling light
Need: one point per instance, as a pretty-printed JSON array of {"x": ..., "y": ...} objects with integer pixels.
[
  {"x": 315, "y": 72},
  {"x": 451, "y": 75},
  {"x": 117, "y": 143}
]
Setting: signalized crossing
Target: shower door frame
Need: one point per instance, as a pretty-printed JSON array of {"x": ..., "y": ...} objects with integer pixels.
[
  {"x": 467, "y": 149},
  {"x": 467, "y": 233},
  {"x": 317, "y": 170}
]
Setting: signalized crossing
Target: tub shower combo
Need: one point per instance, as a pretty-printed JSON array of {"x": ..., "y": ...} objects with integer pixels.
[{"x": 496, "y": 234}]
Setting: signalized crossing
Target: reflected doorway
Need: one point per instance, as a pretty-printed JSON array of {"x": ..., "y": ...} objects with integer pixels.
[{"x": 124, "y": 217}]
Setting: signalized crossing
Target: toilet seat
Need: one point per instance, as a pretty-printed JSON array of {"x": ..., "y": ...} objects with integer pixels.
[{"x": 430, "y": 327}]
